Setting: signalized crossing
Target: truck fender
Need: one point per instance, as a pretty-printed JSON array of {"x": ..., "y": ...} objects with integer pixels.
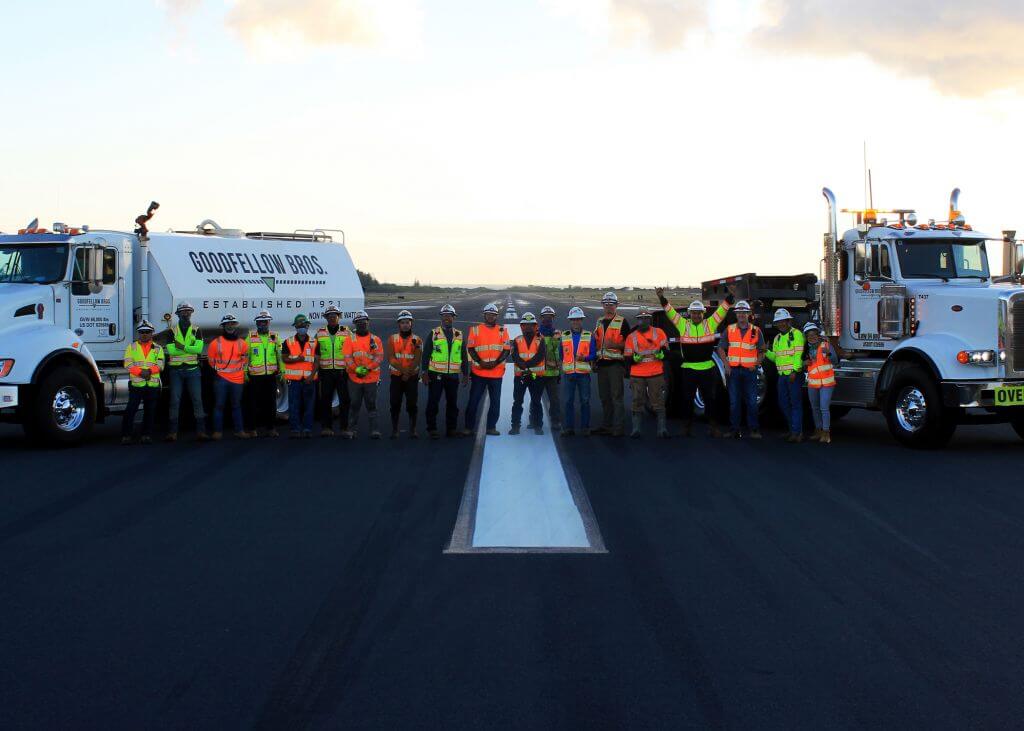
[
  {"x": 897, "y": 361},
  {"x": 38, "y": 348}
]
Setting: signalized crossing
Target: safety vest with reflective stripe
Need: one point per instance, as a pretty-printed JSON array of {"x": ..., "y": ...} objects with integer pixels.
[
  {"x": 787, "y": 352},
  {"x": 404, "y": 357},
  {"x": 184, "y": 349},
  {"x": 363, "y": 350},
  {"x": 742, "y": 351},
  {"x": 697, "y": 341},
  {"x": 445, "y": 360},
  {"x": 489, "y": 343},
  {"x": 570, "y": 364},
  {"x": 264, "y": 355},
  {"x": 332, "y": 348},
  {"x": 227, "y": 358},
  {"x": 300, "y": 369},
  {"x": 526, "y": 352},
  {"x": 610, "y": 343},
  {"x": 820, "y": 373},
  {"x": 552, "y": 349},
  {"x": 647, "y": 346},
  {"x": 136, "y": 360}
]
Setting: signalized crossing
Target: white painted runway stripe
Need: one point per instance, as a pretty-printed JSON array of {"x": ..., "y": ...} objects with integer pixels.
[{"x": 522, "y": 494}]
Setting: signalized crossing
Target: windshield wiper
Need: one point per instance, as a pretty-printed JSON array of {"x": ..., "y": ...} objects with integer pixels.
[
  {"x": 926, "y": 276},
  {"x": 982, "y": 277}
]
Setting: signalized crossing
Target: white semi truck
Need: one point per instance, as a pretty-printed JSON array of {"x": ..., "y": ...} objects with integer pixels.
[
  {"x": 926, "y": 334},
  {"x": 70, "y": 299}
]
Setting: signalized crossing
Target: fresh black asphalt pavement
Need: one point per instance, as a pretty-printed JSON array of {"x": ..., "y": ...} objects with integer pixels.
[{"x": 303, "y": 584}]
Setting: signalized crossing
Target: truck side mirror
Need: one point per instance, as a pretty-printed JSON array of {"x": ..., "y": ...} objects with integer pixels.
[
  {"x": 864, "y": 256},
  {"x": 1018, "y": 259},
  {"x": 95, "y": 273}
]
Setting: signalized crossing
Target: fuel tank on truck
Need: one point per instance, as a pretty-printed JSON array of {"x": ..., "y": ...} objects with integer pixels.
[{"x": 245, "y": 274}]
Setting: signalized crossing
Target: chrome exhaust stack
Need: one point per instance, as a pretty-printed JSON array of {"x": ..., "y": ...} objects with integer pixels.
[{"x": 829, "y": 307}]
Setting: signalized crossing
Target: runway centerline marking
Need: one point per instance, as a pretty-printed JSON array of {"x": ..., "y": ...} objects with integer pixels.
[{"x": 522, "y": 493}]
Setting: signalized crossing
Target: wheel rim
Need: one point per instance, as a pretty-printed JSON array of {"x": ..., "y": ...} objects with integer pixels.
[
  {"x": 911, "y": 410},
  {"x": 762, "y": 386},
  {"x": 68, "y": 408}
]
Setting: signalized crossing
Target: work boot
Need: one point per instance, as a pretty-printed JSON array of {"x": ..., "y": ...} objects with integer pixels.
[
  {"x": 253, "y": 434},
  {"x": 307, "y": 434},
  {"x": 172, "y": 436},
  {"x": 826, "y": 437},
  {"x": 375, "y": 435},
  {"x": 715, "y": 432},
  {"x": 216, "y": 436},
  {"x": 202, "y": 436},
  {"x": 585, "y": 432},
  {"x": 435, "y": 434},
  {"x": 493, "y": 433},
  {"x": 601, "y": 431},
  {"x": 567, "y": 432},
  {"x": 513, "y": 431},
  {"x": 348, "y": 434},
  {"x": 755, "y": 434},
  {"x": 145, "y": 440},
  {"x": 273, "y": 433},
  {"x": 662, "y": 426},
  {"x": 729, "y": 434},
  {"x": 453, "y": 434},
  {"x": 242, "y": 435},
  {"x": 466, "y": 433},
  {"x": 126, "y": 441},
  {"x": 328, "y": 432},
  {"x": 816, "y": 437},
  {"x": 413, "y": 434},
  {"x": 635, "y": 434},
  {"x": 798, "y": 437},
  {"x": 687, "y": 428},
  {"x": 538, "y": 430},
  {"x": 394, "y": 432},
  {"x": 294, "y": 434}
]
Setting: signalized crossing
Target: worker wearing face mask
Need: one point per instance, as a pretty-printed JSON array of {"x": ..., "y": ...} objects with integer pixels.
[
  {"x": 228, "y": 358},
  {"x": 265, "y": 370},
  {"x": 300, "y": 368},
  {"x": 183, "y": 374},
  {"x": 364, "y": 354},
  {"x": 144, "y": 360},
  {"x": 331, "y": 374}
]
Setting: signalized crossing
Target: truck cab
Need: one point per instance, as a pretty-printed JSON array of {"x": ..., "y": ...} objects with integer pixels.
[{"x": 926, "y": 334}]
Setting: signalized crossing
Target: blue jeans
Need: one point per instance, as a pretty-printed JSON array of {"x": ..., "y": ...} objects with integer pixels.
[
  {"x": 181, "y": 379},
  {"x": 301, "y": 400},
  {"x": 576, "y": 382},
  {"x": 743, "y": 392},
  {"x": 223, "y": 391},
  {"x": 821, "y": 399},
  {"x": 791, "y": 402},
  {"x": 478, "y": 385}
]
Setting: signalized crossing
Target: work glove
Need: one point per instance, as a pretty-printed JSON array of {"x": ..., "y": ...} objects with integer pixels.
[
  {"x": 362, "y": 371},
  {"x": 637, "y": 357},
  {"x": 660, "y": 355}
]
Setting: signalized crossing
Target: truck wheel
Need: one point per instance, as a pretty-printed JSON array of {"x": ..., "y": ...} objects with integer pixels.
[
  {"x": 915, "y": 413},
  {"x": 65, "y": 407}
]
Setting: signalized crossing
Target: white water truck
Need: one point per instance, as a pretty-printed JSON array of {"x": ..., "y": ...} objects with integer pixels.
[{"x": 70, "y": 299}]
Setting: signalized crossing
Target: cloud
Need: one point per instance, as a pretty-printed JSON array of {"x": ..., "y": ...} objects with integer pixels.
[
  {"x": 964, "y": 48},
  {"x": 658, "y": 24}
]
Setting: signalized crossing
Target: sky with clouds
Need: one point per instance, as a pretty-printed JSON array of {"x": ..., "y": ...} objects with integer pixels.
[{"x": 544, "y": 141}]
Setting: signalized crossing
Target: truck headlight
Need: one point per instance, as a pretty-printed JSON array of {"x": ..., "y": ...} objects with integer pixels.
[
  {"x": 6, "y": 364},
  {"x": 977, "y": 357}
]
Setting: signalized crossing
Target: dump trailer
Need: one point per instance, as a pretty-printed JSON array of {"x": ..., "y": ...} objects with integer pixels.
[
  {"x": 71, "y": 297},
  {"x": 926, "y": 335}
]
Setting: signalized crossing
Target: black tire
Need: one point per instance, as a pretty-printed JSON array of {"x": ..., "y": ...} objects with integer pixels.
[
  {"x": 915, "y": 413},
  {"x": 64, "y": 408}
]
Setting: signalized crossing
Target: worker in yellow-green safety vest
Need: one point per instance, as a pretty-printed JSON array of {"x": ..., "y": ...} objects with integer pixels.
[
  {"x": 330, "y": 344},
  {"x": 697, "y": 343},
  {"x": 443, "y": 367},
  {"x": 552, "y": 376},
  {"x": 266, "y": 369},
  {"x": 144, "y": 361},
  {"x": 787, "y": 354},
  {"x": 183, "y": 373}
]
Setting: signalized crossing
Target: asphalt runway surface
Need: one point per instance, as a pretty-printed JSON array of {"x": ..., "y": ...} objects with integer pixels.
[{"x": 304, "y": 584}]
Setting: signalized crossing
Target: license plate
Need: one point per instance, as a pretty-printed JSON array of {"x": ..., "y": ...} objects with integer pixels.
[{"x": 1009, "y": 396}]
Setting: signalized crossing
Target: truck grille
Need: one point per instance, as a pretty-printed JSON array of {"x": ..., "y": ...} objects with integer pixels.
[{"x": 1017, "y": 334}]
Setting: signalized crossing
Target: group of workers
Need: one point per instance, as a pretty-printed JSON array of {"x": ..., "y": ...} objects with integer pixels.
[{"x": 336, "y": 362}]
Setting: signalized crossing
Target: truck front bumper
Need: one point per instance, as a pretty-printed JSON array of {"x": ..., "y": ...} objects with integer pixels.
[
  {"x": 8, "y": 397},
  {"x": 974, "y": 394}
]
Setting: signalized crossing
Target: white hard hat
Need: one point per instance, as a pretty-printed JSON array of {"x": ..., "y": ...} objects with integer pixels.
[
  {"x": 228, "y": 318},
  {"x": 811, "y": 326},
  {"x": 491, "y": 308},
  {"x": 610, "y": 298},
  {"x": 547, "y": 310},
  {"x": 742, "y": 306},
  {"x": 146, "y": 326},
  {"x": 182, "y": 307},
  {"x": 403, "y": 315},
  {"x": 528, "y": 319},
  {"x": 697, "y": 306},
  {"x": 332, "y": 310},
  {"x": 782, "y": 314},
  {"x": 263, "y": 316},
  {"x": 448, "y": 310},
  {"x": 360, "y": 316},
  {"x": 576, "y": 313}
]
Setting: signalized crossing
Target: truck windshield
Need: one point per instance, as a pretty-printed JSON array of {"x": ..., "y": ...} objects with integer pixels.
[
  {"x": 942, "y": 259},
  {"x": 33, "y": 263}
]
